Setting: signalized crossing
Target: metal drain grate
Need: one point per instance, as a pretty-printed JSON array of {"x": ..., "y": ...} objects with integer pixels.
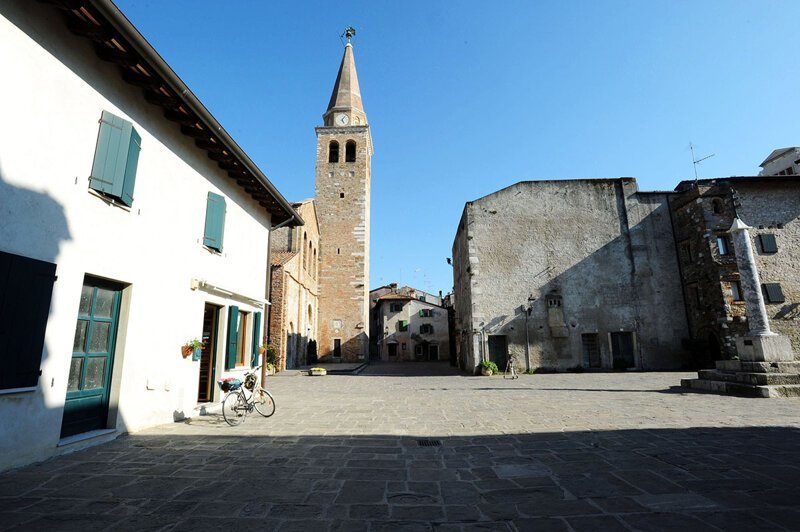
[{"x": 429, "y": 443}]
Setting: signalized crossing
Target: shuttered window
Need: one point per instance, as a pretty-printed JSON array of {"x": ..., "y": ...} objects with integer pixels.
[
  {"x": 403, "y": 325},
  {"x": 768, "y": 243},
  {"x": 256, "y": 339},
  {"x": 774, "y": 293},
  {"x": 215, "y": 221},
  {"x": 426, "y": 328},
  {"x": 26, "y": 286},
  {"x": 233, "y": 335},
  {"x": 116, "y": 158}
]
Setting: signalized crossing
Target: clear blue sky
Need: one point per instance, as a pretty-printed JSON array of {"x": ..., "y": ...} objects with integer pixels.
[{"x": 468, "y": 97}]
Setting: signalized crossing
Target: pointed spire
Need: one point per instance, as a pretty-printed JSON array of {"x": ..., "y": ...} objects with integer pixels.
[{"x": 346, "y": 96}]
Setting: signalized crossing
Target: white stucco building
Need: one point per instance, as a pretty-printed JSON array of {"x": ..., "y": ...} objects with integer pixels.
[
  {"x": 130, "y": 222},
  {"x": 409, "y": 327}
]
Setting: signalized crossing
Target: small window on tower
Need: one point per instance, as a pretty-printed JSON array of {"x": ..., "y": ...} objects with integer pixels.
[
  {"x": 350, "y": 152},
  {"x": 341, "y": 194},
  {"x": 333, "y": 152}
]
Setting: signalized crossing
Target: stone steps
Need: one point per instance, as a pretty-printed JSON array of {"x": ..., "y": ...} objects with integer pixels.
[
  {"x": 741, "y": 389},
  {"x": 762, "y": 379},
  {"x": 758, "y": 367}
]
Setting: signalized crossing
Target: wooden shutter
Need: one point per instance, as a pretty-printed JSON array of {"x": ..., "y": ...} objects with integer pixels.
[
  {"x": 256, "y": 339},
  {"x": 26, "y": 286},
  {"x": 215, "y": 221},
  {"x": 116, "y": 158},
  {"x": 233, "y": 335},
  {"x": 774, "y": 293},
  {"x": 768, "y": 243},
  {"x": 132, "y": 163}
]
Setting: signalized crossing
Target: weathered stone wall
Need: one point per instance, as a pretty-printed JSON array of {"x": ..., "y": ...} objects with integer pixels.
[
  {"x": 578, "y": 243},
  {"x": 773, "y": 207},
  {"x": 343, "y": 207}
]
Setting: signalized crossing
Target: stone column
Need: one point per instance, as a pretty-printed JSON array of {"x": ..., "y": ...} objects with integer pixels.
[
  {"x": 757, "y": 320},
  {"x": 760, "y": 344}
]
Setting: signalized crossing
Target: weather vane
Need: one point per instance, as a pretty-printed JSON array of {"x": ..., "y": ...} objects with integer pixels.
[{"x": 349, "y": 33}]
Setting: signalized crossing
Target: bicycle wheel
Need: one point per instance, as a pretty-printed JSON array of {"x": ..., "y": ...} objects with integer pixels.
[
  {"x": 234, "y": 409},
  {"x": 263, "y": 401}
]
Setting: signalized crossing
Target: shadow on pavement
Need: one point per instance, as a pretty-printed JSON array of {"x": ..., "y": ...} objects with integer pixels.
[{"x": 664, "y": 479}]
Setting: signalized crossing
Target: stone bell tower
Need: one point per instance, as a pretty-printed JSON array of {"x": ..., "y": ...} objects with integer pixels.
[{"x": 344, "y": 151}]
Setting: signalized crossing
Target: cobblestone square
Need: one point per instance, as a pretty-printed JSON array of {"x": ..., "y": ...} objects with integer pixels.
[{"x": 418, "y": 447}]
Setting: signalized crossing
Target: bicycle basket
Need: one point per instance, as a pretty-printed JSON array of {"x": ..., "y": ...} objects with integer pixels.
[
  {"x": 228, "y": 385},
  {"x": 250, "y": 381}
]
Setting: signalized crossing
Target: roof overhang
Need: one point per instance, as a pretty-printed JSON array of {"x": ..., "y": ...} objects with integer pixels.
[{"x": 115, "y": 39}]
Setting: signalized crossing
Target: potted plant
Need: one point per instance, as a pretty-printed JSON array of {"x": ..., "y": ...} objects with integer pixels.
[
  {"x": 317, "y": 372},
  {"x": 488, "y": 368},
  {"x": 192, "y": 347},
  {"x": 270, "y": 369}
]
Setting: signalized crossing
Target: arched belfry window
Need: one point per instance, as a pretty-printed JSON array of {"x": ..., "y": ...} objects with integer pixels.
[
  {"x": 350, "y": 152},
  {"x": 333, "y": 152}
]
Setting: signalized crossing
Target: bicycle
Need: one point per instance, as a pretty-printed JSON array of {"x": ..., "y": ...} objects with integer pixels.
[
  {"x": 511, "y": 370},
  {"x": 245, "y": 396}
]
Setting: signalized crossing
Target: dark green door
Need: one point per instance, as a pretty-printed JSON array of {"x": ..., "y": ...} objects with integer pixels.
[{"x": 86, "y": 406}]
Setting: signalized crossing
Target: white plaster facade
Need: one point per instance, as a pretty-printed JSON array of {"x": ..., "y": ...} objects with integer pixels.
[{"x": 155, "y": 249}]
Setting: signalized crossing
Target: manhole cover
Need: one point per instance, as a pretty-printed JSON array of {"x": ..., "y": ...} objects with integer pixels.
[{"x": 429, "y": 443}]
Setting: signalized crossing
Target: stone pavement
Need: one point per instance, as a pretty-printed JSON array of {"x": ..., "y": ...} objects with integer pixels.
[{"x": 386, "y": 452}]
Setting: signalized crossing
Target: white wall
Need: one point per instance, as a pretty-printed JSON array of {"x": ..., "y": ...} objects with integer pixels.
[{"x": 48, "y": 132}]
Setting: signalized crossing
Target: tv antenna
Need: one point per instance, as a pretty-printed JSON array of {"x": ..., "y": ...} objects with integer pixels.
[{"x": 695, "y": 161}]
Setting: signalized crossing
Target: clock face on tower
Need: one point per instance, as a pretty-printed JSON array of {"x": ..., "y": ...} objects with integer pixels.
[{"x": 342, "y": 120}]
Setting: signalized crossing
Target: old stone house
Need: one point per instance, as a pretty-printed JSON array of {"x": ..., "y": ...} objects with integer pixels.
[
  {"x": 131, "y": 223},
  {"x": 570, "y": 273},
  {"x": 408, "y": 325},
  {"x": 594, "y": 273},
  {"x": 703, "y": 213},
  {"x": 294, "y": 310}
]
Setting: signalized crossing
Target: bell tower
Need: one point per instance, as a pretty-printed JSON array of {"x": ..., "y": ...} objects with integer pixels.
[{"x": 344, "y": 152}]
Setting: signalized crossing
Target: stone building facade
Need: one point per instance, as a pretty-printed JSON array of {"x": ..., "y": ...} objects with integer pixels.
[
  {"x": 594, "y": 273},
  {"x": 570, "y": 273},
  {"x": 407, "y": 328},
  {"x": 703, "y": 212},
  {"x": 293, "y": 316},
  {"x": 343, "y": 173}
]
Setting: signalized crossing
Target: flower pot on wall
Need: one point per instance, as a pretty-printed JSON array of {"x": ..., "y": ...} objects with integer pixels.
[{"x": 187, "y": 351}]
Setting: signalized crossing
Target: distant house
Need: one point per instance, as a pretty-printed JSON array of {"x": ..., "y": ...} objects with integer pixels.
[
  {"x": 783, "y": 161},
  {"x": 294, "y": 274},
  {"x": 407, "y": 325},
  {"x": 131, "y": 223}
]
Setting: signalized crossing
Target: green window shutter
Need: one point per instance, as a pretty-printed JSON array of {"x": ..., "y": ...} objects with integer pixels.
[
  {"x": 116, "y": 158},
  {"x": 215, "y": 221},
  {"x": 256, "y": 339},
  {"x": 233, "y": 334},
  {"x": 422, "y": 313},
  {"x": 768, "y": 243},
  {"x": 26, "y": 287},
  {"x": 134, "y": 147}
]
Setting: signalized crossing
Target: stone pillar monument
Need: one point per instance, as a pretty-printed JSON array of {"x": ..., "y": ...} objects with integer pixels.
[{"x": 760, "y": 344}]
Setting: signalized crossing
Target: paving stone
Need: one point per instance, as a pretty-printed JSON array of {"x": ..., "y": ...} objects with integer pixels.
[
  {"x": 616, "y": 447},
  {"x": 600, "y": 523}
]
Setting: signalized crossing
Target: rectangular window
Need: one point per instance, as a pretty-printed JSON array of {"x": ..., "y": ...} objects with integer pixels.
[
  {"x": 403, "y": 346},
  {"x": 215, "y": 222},
  {"x": 26, "y": 286},
  {"x": 116, "y": 158},
  {"x": 722, "y": 245},
  {"x": 422, "y": 298},
  {"x": 403, "y": 325},
  {"x": 337, "y": 348},
  {"x": 426, "y": 328},
  {"x": 395, "y": 307},
  {"x": 774, "y": 293},
  {"x": 768, "y": 243},
  {"x": 241, "y": 339},
  {"x": 425, "y": 313},
  {"x": 736, "y": 291}
]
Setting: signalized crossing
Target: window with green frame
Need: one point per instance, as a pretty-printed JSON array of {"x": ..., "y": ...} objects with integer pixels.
[
  {"x": 403, "y": 325},
  {"x": 116, "y": 158}
]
